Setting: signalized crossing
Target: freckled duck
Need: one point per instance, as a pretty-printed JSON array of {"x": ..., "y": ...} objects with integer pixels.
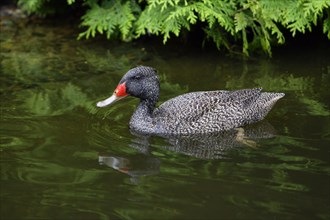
[{"x": 190, "y": 113}]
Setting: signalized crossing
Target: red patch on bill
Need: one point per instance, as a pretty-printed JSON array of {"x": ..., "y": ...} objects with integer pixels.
[{"x": 121, "y": 90}]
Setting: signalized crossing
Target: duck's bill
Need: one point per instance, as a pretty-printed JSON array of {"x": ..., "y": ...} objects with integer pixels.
[{"x": 109, "y": 100}]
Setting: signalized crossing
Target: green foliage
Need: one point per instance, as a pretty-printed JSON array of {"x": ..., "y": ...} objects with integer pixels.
[
  {"x": 253, "y": 24},
  {"x": 32, "y": 6},
  {"x": 43, "y": 7},
  {"x": 108, "y": 17}
]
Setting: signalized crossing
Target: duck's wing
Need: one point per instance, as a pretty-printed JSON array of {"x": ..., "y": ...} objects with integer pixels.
[
  {"x": 190, "y": 104},
  {"x": 211, "y": 110},
  {"x": 196, "y": 103},
  {"x": 246, "y": 97}
]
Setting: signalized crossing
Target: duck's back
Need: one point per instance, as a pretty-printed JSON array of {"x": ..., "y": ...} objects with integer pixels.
[{"x": 211, "y": 111}]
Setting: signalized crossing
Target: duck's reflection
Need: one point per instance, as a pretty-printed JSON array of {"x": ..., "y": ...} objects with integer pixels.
[
  {"x": 210, "y": 146},
  {"x": 218, "y": 145},
  {"x": 135, "y": 167}
]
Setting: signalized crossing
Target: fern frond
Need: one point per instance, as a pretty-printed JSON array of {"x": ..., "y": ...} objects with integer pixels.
[
  {"x": 151, "y": 20},
  {"x": 166, "y": 20},
  {"x": 107, "y": 18},
  {"x": 212, "y": 12},
  {"x": 70, "y": 2},
  {"x": 32, "y": 6},
  {"x": 326, "y": 24}
]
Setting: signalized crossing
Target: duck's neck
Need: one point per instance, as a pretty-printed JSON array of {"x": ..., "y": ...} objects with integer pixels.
[{"x": 142, "y": 120}]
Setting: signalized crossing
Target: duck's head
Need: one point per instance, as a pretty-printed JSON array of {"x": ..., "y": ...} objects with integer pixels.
[{"x": 141, "y": 82}]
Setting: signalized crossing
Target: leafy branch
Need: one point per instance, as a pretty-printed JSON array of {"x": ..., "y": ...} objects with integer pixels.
[{"x": 253, "y": 24}]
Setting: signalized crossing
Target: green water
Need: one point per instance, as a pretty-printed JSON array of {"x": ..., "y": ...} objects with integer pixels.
[{"x": 62, "y": 158}]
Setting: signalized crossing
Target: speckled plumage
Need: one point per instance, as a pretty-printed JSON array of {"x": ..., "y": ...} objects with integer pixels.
[{"x": 195, "y": 112}]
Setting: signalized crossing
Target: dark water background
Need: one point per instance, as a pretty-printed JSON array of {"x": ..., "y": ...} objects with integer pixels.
[{"x": 62, "y": 158}]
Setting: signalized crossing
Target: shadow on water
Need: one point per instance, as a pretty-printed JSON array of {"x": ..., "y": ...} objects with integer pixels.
[{"x": 206, "y": 146}]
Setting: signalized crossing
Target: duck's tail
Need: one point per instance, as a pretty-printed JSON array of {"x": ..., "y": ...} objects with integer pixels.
[{"x": 264, "y": 104}]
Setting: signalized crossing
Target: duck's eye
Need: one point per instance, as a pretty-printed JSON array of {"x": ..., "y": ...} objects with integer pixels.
[{"x": 137, "y": 77}]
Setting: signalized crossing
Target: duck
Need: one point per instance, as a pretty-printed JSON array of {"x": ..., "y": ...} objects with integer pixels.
[{"x": 201, "y": 112}]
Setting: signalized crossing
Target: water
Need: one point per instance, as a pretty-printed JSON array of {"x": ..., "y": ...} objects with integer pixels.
[{"x": 62, "y": 158}]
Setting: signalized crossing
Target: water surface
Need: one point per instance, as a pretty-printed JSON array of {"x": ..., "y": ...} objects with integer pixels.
[{"x": 62, "y": 158}]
